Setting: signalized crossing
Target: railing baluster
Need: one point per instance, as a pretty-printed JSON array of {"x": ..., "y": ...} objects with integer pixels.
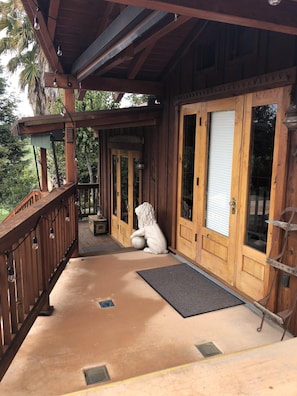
[
  {"x": 4, "y": 302},
  {"x": 88, "y": 193},
  {"x": 19, "y": 287},
  {"x": 12, "y": 295}
]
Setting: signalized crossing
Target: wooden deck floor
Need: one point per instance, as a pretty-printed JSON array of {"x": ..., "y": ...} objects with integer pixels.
[{"x": 93, "y": 245}]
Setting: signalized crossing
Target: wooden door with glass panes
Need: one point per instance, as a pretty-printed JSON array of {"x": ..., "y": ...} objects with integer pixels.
[
  {"x": 220, "y": 196},
  {"x": 125, "y": 193},
  {"x": 263, "y": 169},
  {"x": 231, "y": 163}
]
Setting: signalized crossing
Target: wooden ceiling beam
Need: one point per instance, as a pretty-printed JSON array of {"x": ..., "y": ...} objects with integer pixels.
[
  {"x": 43, "y": 36},
  {"x": 146, "y": 46},
  {"x": 95, "y": 83},
  {"x": 171, "y": 26},
  {"x": 119, "y": 27},
  {"x": 143, "y": 50},
  {"x": 139, "y": 60},
  {"x": 131, "y": 24},
  {"x": 99, "y": 119},
  {"x": 251, "y": 13},
  {"x": 127, "y": 55}
]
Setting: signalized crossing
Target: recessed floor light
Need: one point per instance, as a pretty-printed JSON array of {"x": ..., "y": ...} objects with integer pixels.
[
  {"x": 208, "y": 349},
  {"x": 106, "y": 303},
  {"x": 97, "y": 374}
]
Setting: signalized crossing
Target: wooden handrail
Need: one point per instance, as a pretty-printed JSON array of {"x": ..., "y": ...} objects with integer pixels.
[
  {"x": 28, "y": 275},
  {"x": 29, "y": 200}
]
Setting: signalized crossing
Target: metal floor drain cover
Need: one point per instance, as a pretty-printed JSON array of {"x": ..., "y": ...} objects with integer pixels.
[
  {"x": 96, "y": 374},
  {"x": 106, "y": 303},
  {"x": 208, "y": 349}
]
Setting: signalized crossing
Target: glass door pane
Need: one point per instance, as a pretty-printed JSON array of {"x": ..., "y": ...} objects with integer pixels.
[
  {"x": 124, "y": 189},
  {"x": 188, "y": 158},
  {"x": 260, "y": 165},
  {"x": 220, "y": 157},
  {"x": 136, "y": 191},
  {"x": 114, "y": 184}
]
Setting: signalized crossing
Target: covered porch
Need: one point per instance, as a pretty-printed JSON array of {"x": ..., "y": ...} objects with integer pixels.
[{"x": 144, "y": 344}]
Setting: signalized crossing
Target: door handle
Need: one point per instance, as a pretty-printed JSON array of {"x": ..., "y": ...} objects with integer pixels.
[{"x": 232, "y": 204}]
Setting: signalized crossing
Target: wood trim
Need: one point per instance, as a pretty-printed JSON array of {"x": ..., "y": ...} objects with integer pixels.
[{"x": 257, "y": 83}]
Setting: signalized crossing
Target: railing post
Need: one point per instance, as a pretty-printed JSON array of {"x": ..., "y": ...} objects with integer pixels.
[{"x": 47, "y": 309}]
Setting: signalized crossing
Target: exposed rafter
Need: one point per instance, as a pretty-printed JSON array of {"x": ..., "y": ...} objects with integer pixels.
[
  {"x": 143, "y": 49},
  {"x": 115, "y": 39},
  {"x": 117, "y": 29},
  {"x": 251, "y": 13},
  {"x": 126, "y": 55}
]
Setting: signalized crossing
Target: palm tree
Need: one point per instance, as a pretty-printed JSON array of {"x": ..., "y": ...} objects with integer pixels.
[{"x": 27, "y": 57}]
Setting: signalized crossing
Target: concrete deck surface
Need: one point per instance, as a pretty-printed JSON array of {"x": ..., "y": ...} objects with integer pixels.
[
  {"x": 264, "y": 371},
  {"x": 140, "y": 335}
]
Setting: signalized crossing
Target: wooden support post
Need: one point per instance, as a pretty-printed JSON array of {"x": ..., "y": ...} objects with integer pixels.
[
  {"x": 70, "y": 151},
  {"x": 70, "y": 138},
  {"x": 44, "y": 175}
]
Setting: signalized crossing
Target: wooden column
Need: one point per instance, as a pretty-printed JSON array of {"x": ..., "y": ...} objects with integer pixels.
[
  {"x": 70, "y": 138},
  {"x": 44, "y": 176},
  {"x": 70, "y": 152}
]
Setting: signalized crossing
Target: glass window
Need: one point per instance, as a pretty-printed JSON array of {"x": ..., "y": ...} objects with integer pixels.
[
  {"x": 220, "y": 158},
  {"x": 124, "y": 189},
  {"x": 136, "y": 185},
  {"x": 188, "y": 157},
  {"x": 260, "y": 166},
  {"x": 114, "y": 184}
]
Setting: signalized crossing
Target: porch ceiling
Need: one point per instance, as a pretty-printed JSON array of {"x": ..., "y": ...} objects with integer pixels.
[{"x": 131, "y": 45}]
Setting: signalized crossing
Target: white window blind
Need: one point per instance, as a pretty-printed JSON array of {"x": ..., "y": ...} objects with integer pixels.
[{"x": 220, "y": 171}]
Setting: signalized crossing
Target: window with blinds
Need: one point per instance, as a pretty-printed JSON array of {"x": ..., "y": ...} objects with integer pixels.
[{"x": 221, "y": 132}]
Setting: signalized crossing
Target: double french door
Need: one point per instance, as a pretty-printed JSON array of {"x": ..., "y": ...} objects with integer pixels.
[
  {"x": 125, "y": 193},
  {"x": 229, "y": 161}
]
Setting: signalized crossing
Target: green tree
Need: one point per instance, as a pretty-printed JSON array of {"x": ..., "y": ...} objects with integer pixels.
[
  {"x": 136, "y": 99},
  {"x": 86, "y": 143},
  {"x": 87, "y": 150},
  {"x": 16, "y": 179},
  {"x": 27, "y": 58}
]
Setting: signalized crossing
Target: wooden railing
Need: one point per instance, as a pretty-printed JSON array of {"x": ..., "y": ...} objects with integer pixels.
[
  {"x": 29, "y": 200},
  {"x": 88, "y": 199},
  {"x": 35, "y": 246}
]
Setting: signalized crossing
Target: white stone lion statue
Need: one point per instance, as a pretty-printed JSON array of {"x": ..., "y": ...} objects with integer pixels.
[{"x": 149, "y": 235}]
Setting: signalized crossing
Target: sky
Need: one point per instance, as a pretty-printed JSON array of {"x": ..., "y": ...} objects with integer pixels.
[{"x": 24, "y": 109}]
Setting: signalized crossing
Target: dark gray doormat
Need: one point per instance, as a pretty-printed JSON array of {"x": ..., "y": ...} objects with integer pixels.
[{"x": 187, "y": 290}]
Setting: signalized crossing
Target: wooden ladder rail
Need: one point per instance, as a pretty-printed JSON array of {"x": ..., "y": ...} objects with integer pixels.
[{"x": 282, "y": 317}]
